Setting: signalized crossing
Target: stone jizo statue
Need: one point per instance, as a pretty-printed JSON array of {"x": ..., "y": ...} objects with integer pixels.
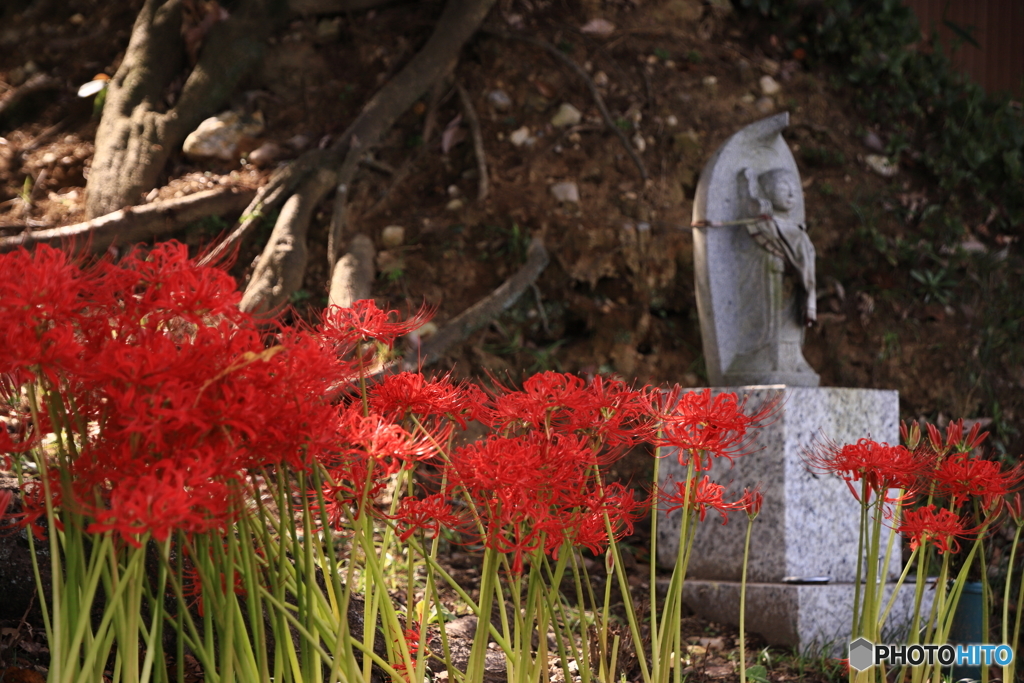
[{"x": 753, "y": 261}]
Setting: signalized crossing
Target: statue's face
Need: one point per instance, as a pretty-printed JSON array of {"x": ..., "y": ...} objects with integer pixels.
[{"x": 784, "y": 193}]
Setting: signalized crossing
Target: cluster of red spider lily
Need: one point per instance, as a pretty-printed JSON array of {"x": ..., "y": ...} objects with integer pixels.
[
  {"x": 163, "y": 395},
  {"x": 931, "y": 469}
]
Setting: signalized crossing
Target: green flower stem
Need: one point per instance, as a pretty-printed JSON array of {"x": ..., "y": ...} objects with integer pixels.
[
  {"x": 743, "y": 600},
  {"x": 1009, "y": 669},
  {"x": 861, "y": 537}
]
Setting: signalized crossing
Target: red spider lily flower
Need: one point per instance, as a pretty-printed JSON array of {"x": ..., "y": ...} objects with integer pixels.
[
  {"x": 617, "y": 415},
  {"x": 750, "y": 502},
  {"x": 961, "y": 476},
  {"x": 545, "y": 402},
  {"x": 364, "y": 321},
  {"x": 426, "y": 514},
  {"x": 42, "y": 298},
  {"x": 882, "y": 466},
  {"x": 704, "y": 495},
  {"x": 702, "y": 426},
  {"x": 955, "y": 440},
  {"x": 410, "y": 392},
  {"x": 936, "y": 525},
  {"x": 618, "y": 504},
  {"x": 173, "y": 496}
]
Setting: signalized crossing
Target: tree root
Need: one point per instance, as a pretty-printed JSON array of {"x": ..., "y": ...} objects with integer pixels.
[
  {"x": 585, "y": 77},
  {"x": 478, "y": 143},
  {"x": 482, "y": 312},
  {"x": 135, "y": 138},
  {"x": 459, "y": 21},
  {"x": 268, "y": 198},
  {"x": 334, "y": 6},
  {"x": 131, "y": 225},
  {"x": 37, "y": 83},
  {"x": 353, "y": 275},
  {"x": 282, "y": 265}
]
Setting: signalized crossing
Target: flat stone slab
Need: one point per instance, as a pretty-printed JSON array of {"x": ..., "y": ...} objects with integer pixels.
[
  {"x": 810, "y": 618},
  {"x": 808, "y": 524}
]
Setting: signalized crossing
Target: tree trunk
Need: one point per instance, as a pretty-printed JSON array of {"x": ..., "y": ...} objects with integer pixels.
[{"x": 137, "y": 133}]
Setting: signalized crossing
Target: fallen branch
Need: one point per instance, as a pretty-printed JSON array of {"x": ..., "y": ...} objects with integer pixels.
[
  {"x": 482, "y": 312},
  {"x": 136, "y": 224},
  {"x": 585, "y": 77},
  {"x": 478, "y": 142}
]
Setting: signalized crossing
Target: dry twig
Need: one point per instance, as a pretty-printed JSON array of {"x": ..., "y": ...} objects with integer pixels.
[{"x": 478, "y": 143}]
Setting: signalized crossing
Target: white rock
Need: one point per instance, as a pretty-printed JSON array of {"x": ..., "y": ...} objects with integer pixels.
[
  {"x": 602, "y": 28},
  {"x": 601, "y": 79},
  {"x": 639, "y": 142},
  {"x": 566, "y": 191},
  {"x": 455, "y": 205},
  {"x": 219, "y": 136},
  {"x": 881, "y": 165},
  {"x": 520, "y": 136},
  {"x": 392, "y": 236},
  {"x": 567, "y": 115},
  {"x": 500, "y": 100},
  {"x": 709, "y": 81},
  {"x": 671, "y": 121},
  {"x": 769, "y": 86}
]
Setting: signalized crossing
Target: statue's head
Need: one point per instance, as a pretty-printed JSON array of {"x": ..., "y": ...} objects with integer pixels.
[{"x": 781, "y": 187}]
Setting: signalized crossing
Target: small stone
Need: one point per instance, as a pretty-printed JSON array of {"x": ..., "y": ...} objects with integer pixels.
[
  {"x": 770, "y": 67},
  {"x": 77, "y": 19},
  {"x": 328, "y": 30},
  {"x": 602, "y": 28},
  {"x": 748, "y": 98},
  {"x": 265, "y": 154},
  {"x": 500, "y": 100},
  {"x": 881, "y": 165},
  {"x": 392, "y": 236},
  {"x": 765, "y": 105},
  {"x": 567, "y": 115},
  {"x": 566, "y": 191},
  {"x": 769, "y": 86},
  {"x": 49, "y": 158},
  {"x": 454, "y": 191},
  {"x": 454, "y": 205},
  {"x": 873, "y": 142},
  {"x": 709, "y": 82},
  {"x": 639, "y": 142},
  {"x": 299, "y": 142},
  {"x": 520, "y": 136},
  {"x": 671, "y": 121},
  {"x": 601, "y": 79}
]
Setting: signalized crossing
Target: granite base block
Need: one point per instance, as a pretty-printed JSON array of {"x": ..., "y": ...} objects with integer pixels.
[
  {"x": 808, "y": 525},
  {"x": 809, "y": 618}
]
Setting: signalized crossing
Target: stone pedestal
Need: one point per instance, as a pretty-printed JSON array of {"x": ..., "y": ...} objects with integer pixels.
[
  {"x": 813, "y": 619},
  {"x": 808, "y": 526}
]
